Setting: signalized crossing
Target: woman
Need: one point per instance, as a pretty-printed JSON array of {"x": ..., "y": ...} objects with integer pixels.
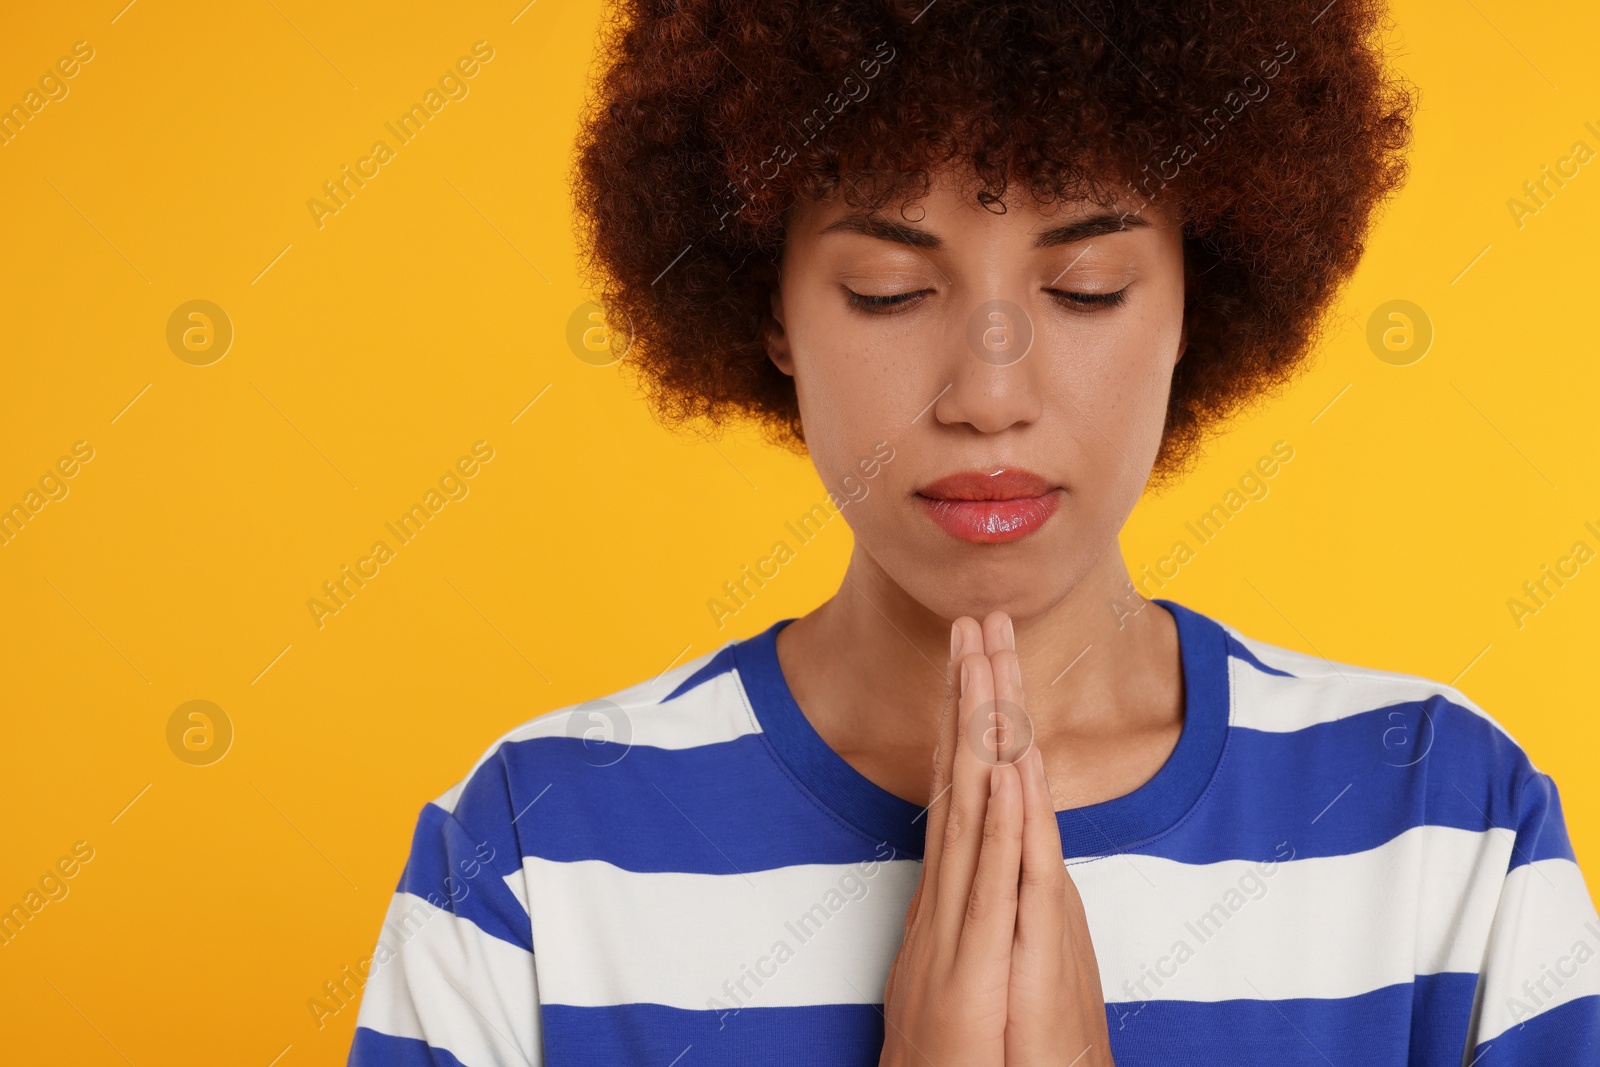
[{"x": 997, "y": 267}]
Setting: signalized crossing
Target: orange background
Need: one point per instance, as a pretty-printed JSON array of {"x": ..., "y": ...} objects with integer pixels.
[{"x": 428, "y": 313}]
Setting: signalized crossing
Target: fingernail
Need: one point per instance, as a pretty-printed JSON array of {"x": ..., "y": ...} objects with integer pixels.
[
  {"x": 994, "y": 783},
  {"x": 955, "y": 640},
  {"x": 1016, "y": 671},
  {"x": 963, "y": 679},
  {"x": 1011, "y": 634}
]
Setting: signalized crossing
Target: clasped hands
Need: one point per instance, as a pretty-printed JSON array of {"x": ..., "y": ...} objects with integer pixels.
[{"x": 996, "y": 966}]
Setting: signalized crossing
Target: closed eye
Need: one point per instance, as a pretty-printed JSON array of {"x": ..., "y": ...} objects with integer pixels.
[
  {"x": 1089, "y": 301},
  {"x": 888, "y": 303},
  {"x": 882, "y": 304}
]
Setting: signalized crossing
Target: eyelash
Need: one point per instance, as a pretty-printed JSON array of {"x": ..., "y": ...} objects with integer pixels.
[
  {"x": 1091, "y": 301},
  {"x": 863, "y": 302},
  {"x": 1077, "y": 301}
]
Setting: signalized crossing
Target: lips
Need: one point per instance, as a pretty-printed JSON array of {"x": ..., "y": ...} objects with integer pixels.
[{"x": 989, "y": 507}]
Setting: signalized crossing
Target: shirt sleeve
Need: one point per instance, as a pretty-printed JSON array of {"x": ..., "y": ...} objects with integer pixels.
[
  {"x": 1539, "y": 985},
  {"x": 452, "y": 981}
]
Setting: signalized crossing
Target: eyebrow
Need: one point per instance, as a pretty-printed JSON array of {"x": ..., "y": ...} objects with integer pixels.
[{"x": 906, "y": 234}]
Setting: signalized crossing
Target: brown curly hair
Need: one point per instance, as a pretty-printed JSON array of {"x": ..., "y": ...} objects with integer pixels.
[{"x": 1272, "y": 130}]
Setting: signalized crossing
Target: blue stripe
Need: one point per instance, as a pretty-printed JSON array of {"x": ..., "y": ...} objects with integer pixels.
[
  {"x": 1569, "y": 1034},
  {"x": 1541, "y": 827},
  {"x": 490, "y": 807},
  {"x": 372, "y": 1049},
  {"x": 1441, "y": 1012},
  {"x": 1369, "y": 1030},
  {"x": 446, "y": 868},
  {"x": 702, "y": 810},
  {"x": 1372, "y": 1030},
  {"x": 1353, "y": 784},
  {"x": 830, "y": 1035}
]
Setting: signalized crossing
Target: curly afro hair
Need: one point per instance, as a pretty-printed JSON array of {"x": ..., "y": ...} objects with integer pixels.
[{"x": 1271, "y": 129}]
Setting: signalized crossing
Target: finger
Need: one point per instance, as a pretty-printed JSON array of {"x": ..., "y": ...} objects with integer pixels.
[
  {"x": 1014, "y": 730},
  {"x": 967, "y": 802},
  {"x": 888, "y": 986},
  {"x": 1042, "y": 887},
  {"x": 914, "y": 906},
  {"x": 965, "y": 636},
  {"x": 991, "y": 916},
  {"x": 998, "y": 633}
]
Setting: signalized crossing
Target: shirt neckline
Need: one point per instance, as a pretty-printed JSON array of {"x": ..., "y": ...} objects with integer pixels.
[{"x": 1099, "y": 829}]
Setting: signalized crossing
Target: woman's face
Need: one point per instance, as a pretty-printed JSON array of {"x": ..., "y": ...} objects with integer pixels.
[{"x": 982, "y": 393}]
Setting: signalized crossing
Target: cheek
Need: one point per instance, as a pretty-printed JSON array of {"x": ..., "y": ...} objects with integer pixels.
[
  {"x": 1108, "y": 398},
  {"x": 1116, "y": 380},
  {"x": 857, "y": 384}
]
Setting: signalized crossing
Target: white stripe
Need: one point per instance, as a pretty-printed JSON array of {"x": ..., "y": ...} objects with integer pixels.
[
  {"x": 1280, "y": 705},
  {"x": 710, "y": 713},
  {"x": 609, "y": 936},
  {"x": 1333, "y": 926},
  {"x": 1544, "y": 950},
  {"x": 1315, "y": 667},
  {"x": 443, "y": 980},
  {"x": 1324, "y": 927},
  {"x": 1280, "y": 658}
]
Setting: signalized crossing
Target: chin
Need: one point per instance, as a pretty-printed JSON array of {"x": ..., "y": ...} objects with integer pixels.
[{"x": 976, "y": 579}]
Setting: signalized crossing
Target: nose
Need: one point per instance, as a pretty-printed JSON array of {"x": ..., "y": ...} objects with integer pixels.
[{"x": 993, "y": 364}]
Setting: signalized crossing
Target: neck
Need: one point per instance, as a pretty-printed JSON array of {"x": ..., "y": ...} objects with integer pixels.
[{"x": 1100, "y": 663}]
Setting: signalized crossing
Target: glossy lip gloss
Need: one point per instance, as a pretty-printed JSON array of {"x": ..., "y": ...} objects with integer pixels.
[{"x": 989, "y": 507}]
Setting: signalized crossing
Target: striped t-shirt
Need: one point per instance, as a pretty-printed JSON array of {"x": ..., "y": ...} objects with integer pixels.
[{"x": 1335, "y": 866}]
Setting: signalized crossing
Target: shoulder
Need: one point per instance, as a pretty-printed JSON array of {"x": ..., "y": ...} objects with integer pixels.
[
  {"x": 696, "y": 703},
  {"x": 1456, "y": 756},
  {"x": 1398, "y": 751},
  {"x": 1280, "y": 689}
]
